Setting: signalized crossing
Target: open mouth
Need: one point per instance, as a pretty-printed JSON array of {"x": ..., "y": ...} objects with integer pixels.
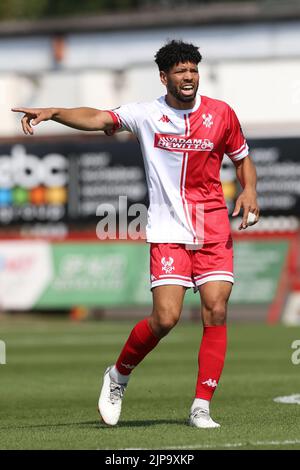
[{"x": 187, "y": 90}]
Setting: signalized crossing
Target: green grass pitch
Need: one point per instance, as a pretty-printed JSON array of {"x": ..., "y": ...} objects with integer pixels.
[{"x": 50, "y": 387}]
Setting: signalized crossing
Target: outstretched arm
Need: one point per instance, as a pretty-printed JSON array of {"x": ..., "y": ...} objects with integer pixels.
[
  {"x": 246, "y": 174},
  {"x": 85, "y": 119}
]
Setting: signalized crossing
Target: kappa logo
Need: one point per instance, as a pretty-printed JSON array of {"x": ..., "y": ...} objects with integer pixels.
[
  {"x": 211, "y": 383},
  {"x": 127, "y": 366},
  {"x": 165, "y": 118},
  {"x": 167, "y": 265},
  {"x": 207, "y": 120}
]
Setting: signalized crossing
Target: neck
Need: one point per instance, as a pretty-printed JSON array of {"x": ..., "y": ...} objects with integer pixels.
[{"x": 177, "y": 104}]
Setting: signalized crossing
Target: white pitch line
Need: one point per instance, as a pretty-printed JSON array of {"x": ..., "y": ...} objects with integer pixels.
[{"x": 233, "y": 444}]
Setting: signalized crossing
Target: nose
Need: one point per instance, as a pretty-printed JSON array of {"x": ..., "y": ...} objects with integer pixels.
[{"x": 188, "y": 76}]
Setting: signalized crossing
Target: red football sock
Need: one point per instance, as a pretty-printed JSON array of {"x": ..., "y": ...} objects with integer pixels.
[
  {"x": 211, "y": 360},
  {"x": 139, "y": 343}
]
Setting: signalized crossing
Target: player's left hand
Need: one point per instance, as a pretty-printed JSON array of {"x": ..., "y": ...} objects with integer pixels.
[{"x": 246, "y": 201}]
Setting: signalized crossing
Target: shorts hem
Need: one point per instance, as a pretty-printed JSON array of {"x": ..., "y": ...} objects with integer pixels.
[
  {"x": 178, "y": 282},
  {"x": 191, "y": 243},
  {"x": 216, "y": 277}
]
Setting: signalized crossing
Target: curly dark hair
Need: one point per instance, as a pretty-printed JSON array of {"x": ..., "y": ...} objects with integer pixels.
[{"x": 174, "y": 52}]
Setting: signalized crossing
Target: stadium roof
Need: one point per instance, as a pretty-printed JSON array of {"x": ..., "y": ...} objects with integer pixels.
[{"x": 215, "y": 13}]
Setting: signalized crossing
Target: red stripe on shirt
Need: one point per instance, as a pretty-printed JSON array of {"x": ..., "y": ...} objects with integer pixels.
[{"x": 183, "y": 179}]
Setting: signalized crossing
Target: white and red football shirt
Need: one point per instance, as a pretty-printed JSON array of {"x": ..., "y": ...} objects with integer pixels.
[{"x": 183, "y": 152}]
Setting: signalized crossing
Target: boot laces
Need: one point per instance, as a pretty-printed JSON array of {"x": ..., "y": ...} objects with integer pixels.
[{"x": 116, "y": 392}]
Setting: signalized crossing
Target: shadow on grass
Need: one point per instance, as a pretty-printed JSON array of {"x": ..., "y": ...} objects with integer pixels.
[
  {"x": 98, "y": 424},
  {"x": 142, "y": 423}
]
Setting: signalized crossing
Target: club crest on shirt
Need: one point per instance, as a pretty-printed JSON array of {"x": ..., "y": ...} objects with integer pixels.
[
  {"x": 167, "y": 265},
  {"x": 207, "y": 120}
]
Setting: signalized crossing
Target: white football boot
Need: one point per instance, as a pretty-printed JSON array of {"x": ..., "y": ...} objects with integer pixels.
[
  {"x": 200, "y": 418},
  {"x": 110, "y": 399}
]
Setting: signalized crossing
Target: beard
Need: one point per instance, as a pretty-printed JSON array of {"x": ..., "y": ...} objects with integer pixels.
[{"x": 179, "y": 96}]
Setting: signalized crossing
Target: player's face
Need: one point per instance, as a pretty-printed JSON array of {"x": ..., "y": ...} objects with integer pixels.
[{"x": 182, "y": 81}]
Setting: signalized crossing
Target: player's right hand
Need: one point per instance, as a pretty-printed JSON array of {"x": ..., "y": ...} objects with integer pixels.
[{"x": 33, "y": 116}]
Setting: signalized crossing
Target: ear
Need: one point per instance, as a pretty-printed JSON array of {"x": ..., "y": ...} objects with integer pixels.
[{"x": 163, "y": 77}]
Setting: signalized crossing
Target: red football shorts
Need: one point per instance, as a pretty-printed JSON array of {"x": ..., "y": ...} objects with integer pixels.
[{"x": 172, "y": 263}]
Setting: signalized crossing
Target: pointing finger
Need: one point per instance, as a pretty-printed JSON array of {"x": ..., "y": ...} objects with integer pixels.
[{"x": 24, "y": 110}]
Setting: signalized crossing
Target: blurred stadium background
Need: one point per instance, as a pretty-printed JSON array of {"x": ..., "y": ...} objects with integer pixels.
[{"x": 100, "y": 54}]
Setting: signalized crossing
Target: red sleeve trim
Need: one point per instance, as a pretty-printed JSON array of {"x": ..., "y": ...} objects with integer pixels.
[
  {"x": 238, "y": 150},
  {"x": 117, "y": 123}
]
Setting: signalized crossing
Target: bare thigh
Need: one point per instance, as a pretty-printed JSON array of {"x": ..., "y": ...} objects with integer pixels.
[
  {"x": 167, "y": 307},
  {"x": 214, "y": 299}
]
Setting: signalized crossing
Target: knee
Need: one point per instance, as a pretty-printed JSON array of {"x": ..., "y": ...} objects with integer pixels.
[
  {"x": 215, "y": 313},
  {"x": 163, "y": 320}
]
